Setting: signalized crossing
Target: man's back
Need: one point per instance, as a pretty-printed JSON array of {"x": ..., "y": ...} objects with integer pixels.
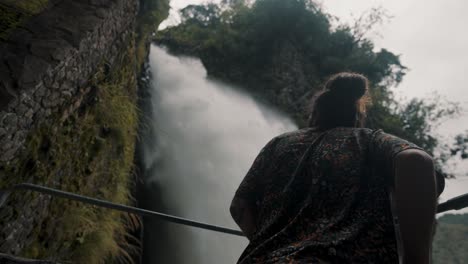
[{"x": 334, "y": 209}]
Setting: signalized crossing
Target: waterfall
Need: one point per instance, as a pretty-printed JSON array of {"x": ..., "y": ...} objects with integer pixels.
[{"x": 204, "y": 136}]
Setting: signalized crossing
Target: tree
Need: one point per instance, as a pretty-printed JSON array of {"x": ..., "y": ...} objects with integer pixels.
[
  {"x": 203, "y": 15},
  {"x": 461, "y": 146}
]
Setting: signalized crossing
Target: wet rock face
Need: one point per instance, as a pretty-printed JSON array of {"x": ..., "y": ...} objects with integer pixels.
[
  {"x": 29, "y": 212},
  {"x": 44, "y": 68},
  {"x": 44, "y": 63}
]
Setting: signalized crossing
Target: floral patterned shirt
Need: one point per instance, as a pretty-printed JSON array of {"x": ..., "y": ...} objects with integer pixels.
[{"x": 334, "y": 208}]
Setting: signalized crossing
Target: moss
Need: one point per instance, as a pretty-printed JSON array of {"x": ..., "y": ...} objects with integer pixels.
[
  {"x": 90, "y": 153},
  {"x": 14, "y": 13},
  {"x": 33, "y": 250},
  {"x": 9, "y": 20},
  {"x": 29, "y": 6}
]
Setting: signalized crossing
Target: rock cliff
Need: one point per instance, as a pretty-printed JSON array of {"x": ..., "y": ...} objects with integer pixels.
[{"x": 68, "y": 119}]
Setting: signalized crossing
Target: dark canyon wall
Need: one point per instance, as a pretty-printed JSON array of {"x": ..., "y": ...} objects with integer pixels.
[{"x": 68, "y": 119}]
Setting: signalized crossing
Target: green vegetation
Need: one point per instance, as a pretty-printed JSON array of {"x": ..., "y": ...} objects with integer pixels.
[
  {"x": 152, "y": 14},
  {"x": 29, "y": 6},
  {"x": 13, "y": 13},
  {"x": 451, "y": 240},
  {"x": 91, "y": 153},
  {"x": 283, "y": 50},
  {"x": 87, "y": 149}
]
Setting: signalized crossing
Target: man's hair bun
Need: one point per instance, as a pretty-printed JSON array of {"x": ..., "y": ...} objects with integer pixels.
[
  {"x": 339, "y": 104},
  {"x": 347, "y": 85}
]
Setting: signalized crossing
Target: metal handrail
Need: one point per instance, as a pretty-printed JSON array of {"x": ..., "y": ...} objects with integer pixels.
[
  {"x": 115, "y": 206},
  {"x": 456, "y": 203}
]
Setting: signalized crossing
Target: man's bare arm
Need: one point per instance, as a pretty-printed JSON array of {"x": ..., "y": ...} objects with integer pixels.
[
  {"x": 416, "y": 201},
  {"x": 244, "y": 215}
]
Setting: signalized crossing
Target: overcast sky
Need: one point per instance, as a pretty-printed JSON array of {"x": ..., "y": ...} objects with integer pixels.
[{"x": 431, "y": 37}]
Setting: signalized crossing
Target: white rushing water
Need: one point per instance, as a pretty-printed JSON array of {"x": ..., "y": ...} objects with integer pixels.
[{"x": 206, "y": 135}]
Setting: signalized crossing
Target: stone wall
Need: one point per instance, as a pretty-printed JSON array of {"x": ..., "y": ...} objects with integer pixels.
[
  {"x": 45, "y": 68},
  {"x": 46, "y": 62}
]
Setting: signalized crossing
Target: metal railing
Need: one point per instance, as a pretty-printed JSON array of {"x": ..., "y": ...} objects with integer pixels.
[
  {"x": 456, "y": 203},
  {"x": 120, "y": 207}
]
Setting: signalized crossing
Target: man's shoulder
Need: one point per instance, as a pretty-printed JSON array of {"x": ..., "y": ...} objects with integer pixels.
[
  {"x": 309, "y": 132},
  {"x": 295, "y": 135},
  {"x": 353, "y": 131}
]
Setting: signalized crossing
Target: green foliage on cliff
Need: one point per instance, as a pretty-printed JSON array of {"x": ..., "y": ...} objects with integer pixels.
[
  {"x": 153, "y": 12},
  {"x": 283, "y": 50},
  {"x": 88, "y": 150},
  {"x": 451, "y": 240},
  {"x": 13, "y": 13},
  {"x": 9, "y": 20},
  {"x": 28, "y": 6}
]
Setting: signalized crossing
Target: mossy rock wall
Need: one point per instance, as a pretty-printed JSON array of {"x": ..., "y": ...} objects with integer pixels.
[{"x": 68, "y": 120}]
